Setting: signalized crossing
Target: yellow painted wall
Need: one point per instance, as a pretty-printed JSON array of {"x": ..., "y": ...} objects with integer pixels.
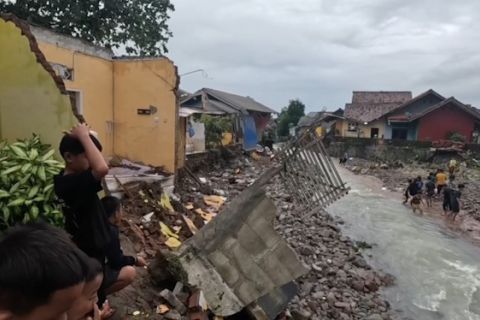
[
  {"x": 30, "y": 100},
  {"x": 93, "y": 78},
  {"x": 380, "y": 124},
  {"x": 140, "y": 83},
  {"x": 111, "y": 92}
]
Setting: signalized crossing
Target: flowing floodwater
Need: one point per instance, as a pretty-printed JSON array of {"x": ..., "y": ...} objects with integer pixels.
[{"x": 437, "y": 271}]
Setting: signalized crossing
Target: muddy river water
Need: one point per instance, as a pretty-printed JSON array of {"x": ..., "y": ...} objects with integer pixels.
[{"x": 437, "y": 272}]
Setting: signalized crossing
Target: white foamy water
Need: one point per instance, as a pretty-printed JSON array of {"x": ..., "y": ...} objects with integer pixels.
[{"x": 437, "y": 272}]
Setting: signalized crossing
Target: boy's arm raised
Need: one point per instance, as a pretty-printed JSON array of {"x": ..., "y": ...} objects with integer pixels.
[{"x": 97, "y": 162}]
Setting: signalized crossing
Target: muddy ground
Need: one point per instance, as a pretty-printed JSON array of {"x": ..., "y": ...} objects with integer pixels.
[
  {"x": 395, "y": 177},
  {"x": 340, "y": 284}
]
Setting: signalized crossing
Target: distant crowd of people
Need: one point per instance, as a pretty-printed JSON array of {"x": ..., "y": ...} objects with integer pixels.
[{"x": 436, "y": 186}]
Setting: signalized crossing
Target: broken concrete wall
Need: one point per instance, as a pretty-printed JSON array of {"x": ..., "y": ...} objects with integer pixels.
[
  {"x": 238, "y": 257},
  {"x": 32, "y": 98}
]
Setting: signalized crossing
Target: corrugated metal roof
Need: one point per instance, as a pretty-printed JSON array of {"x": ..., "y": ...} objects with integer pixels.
[{"x": 215, "y": 100}]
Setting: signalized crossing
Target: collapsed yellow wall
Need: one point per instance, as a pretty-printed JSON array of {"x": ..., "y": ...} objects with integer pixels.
[
  {"x": 30, "y": 100},
  {"x": 139, "y": 84},
  {"x": 93, "y": 78}
]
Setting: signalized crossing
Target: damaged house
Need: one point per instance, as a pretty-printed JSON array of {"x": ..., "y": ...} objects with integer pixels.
[
  {"x": 325, "y": 123},
  {"x": 249, "y": 117},
  {"x": 58, "y": 80}
]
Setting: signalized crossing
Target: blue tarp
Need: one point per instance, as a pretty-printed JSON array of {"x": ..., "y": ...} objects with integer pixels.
[{"x": 249, "y": 133}]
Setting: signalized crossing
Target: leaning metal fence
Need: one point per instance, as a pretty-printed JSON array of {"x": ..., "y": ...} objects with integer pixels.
[{"x": 309, "y": 173}]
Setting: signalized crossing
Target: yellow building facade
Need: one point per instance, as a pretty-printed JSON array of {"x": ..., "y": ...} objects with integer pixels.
[
  {"x": 131, "y": 103},
  {"x": 349, "y": 128},
  {"x": 32, "y": 98}
]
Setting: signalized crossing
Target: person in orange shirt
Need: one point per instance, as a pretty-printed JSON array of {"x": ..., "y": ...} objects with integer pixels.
[{"x": 441, "y": 178}]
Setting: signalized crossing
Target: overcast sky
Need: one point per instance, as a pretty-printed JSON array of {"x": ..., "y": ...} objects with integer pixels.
[{"x": 321, "y": 50}]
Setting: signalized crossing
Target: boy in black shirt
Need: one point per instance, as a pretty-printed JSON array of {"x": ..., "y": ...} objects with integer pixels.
[
  {"x": 77, "y": 186},
  {"x": 119, "y": 271}
]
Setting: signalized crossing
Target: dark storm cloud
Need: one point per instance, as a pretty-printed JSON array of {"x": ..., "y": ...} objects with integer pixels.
[{"x": 320, "y": 51}]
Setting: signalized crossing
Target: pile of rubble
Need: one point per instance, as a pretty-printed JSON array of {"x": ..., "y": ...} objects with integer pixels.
[
  {"x": 155, "y": 220},
  {"x": 340, "y": 284}
]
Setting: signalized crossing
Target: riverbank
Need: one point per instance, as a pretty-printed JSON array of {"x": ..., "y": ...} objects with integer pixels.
[
  {"x": 340, "y": 284},
  {"x": 395, "y": 177}
]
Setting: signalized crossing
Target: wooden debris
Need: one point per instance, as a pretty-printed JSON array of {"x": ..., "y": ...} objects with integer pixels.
[
  {"x": 162, "y": 309},
  {"x": 173, "y": 243},
  {"x": 167, "y": 232},
  {"x": 165, "y": 203},
  {"x": 191, "y": 226},
  {"x": 213, "y": 201},
  {"x": 207, "y": 217}
]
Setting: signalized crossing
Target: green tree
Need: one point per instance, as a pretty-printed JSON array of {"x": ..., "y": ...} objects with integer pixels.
[
  {"x": 215, "y": 127},
  {"x": 139, "y": 26},
  {"x": 289, "y": 116}
]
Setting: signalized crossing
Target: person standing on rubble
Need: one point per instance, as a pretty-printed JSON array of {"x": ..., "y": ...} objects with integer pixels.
[
  {"x": 452, "y": 166},
  {"x": 77, "y": 187}
]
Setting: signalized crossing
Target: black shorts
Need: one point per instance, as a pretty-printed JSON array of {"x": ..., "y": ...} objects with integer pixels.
[{"x": 110, "y": 276}]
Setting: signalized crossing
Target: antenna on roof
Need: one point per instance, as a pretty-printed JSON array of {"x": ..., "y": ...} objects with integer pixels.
[{"x": 204, "y": 73}]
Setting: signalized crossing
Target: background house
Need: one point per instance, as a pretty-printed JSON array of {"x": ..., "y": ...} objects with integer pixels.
[
  {"x": 250, "y": 118},
  {"x": 396, "y": 115},
  {"x": 400, "y": 125},
  {"x": 363, "y": 115},
  {"x": 430, "y": 117},
  {"x": 131, "y": 102},
  {"x": 324, "y": 122}
]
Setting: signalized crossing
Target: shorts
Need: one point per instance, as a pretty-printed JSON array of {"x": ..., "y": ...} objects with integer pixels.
[{"x": 110, "y": 276}]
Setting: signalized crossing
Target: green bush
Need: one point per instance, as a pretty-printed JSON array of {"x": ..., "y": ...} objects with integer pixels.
[
  {"x": 457, "y": 137},
  {"x": 27, "y": 168},
  {"x": 215, "y": 127}
]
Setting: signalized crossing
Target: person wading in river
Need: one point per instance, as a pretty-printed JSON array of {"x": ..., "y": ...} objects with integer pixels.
[
  {"x": 441, "y": 178},
  {"x": 407, "y": 191},
  {"x": 455, "y": 203},
  {"x": 416, "y": 203},
  {"x": 430, "y": 188}
]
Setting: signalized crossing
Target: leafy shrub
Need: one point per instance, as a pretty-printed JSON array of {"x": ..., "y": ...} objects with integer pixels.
[
  {"x": 215, "y": 127},
  {"x": 455, "y": 136},
  {"x": 27, "y": 168}
]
